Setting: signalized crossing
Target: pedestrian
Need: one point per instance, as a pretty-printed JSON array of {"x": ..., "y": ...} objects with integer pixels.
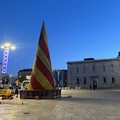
[
  {"x": 16, "y": 91},
  {"x": 90, "y": 87},
  {"x": 93, "y": 86}
]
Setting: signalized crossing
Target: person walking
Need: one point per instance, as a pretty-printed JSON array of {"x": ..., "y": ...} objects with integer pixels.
[
  {"x": 16, "y": 91},
  {"x": 90, "y": 87}
]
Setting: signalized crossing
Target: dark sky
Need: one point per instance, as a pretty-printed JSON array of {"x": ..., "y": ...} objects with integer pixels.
[{"x": 76, "y": 29}]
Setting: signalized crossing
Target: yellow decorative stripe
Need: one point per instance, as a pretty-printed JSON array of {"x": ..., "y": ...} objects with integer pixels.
[
  {"x": 44, "y": 34},
  {"x": 44, "y": 59},
  {"x": 43, "y": 81},
  {"x": 30, "y": 87}
]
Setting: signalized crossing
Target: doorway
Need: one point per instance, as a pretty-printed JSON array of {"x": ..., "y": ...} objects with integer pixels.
[{"x": 93, "y": 82}]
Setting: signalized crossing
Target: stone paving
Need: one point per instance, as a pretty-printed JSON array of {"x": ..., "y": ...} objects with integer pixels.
[{"x": 73, "y": 105}]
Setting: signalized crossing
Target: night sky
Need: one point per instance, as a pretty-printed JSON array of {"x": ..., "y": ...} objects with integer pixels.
[{"x": 76, "y": 29}]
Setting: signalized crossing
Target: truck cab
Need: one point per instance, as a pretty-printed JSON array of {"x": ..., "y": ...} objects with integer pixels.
[{"x": 24, "y": 84}]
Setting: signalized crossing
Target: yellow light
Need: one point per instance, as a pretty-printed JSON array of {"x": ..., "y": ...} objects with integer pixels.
[
  {"x": 13, "y": 47},
  {"x": 7, "y": 44},
  {"x": 2, "y": 47}
]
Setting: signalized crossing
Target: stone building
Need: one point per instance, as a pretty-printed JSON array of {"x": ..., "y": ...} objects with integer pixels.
[
  {"x": 60, "y": 78},
  {"x": 102, "y": 73},
  {"x": 25, "y": 73}
]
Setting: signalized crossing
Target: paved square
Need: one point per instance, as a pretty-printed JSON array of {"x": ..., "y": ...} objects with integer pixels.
[{"x": 73, "y": 105}]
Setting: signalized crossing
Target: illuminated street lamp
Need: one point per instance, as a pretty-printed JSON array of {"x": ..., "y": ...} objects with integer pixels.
[{"x": 7, "y": 46}]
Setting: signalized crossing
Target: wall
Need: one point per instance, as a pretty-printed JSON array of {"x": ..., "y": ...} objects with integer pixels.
[{"x": 94, "y": 71}]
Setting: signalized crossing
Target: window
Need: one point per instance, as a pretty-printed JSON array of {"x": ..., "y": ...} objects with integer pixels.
[
  {"x": 93, "y": 68},
  {"x": 113, "y": 80},
  {"x": 103, "y": 68},
  {"x": 104, "y": 80},
  {"x": 84, "y": 70},
  {"x": 112, "y": 68},
  {"x": 85, "y": 82},
  {"x": 77, "y": 81},
  {"x": 77, "y": 70}
]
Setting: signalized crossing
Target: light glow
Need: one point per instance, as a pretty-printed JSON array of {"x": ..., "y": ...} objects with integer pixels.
[
  {"x": 13, "y": 47},
  {"x": 7, "y": 45},
  {"x": 6, "y": 48},
  {"x": 2, "y": 47}
]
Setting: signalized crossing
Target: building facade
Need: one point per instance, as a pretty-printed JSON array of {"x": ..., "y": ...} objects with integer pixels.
[
  {"x": 1, "y": 75},
  {"x": 26, "y": 73},
  {"x": 60, "y": 78},
  {"x": 103, "y": 73}
]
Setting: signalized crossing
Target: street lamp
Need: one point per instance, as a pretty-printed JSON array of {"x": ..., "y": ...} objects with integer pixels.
[{"x": 7, "y": 46}]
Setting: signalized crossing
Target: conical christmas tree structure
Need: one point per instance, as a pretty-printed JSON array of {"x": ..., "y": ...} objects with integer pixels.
[{"x": 41, "y": 76}]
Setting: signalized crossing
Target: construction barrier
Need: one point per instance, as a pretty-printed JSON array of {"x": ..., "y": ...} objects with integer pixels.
[
  {"x": 5, "y": 92},
  {"x": 77, "y": 88},
  {"x": 32, "y": 94}
]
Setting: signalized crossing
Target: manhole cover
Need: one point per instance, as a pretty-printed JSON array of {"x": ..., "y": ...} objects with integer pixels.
[
  {"x": 26, "y": 113},
  {"x": 69, "y": 96}
]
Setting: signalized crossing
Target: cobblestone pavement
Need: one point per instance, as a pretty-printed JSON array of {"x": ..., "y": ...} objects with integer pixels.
[{"x": 73, "y": 105}]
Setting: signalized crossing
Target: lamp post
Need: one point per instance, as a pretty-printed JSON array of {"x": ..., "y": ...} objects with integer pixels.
[{"x": 7, "y": 46}]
